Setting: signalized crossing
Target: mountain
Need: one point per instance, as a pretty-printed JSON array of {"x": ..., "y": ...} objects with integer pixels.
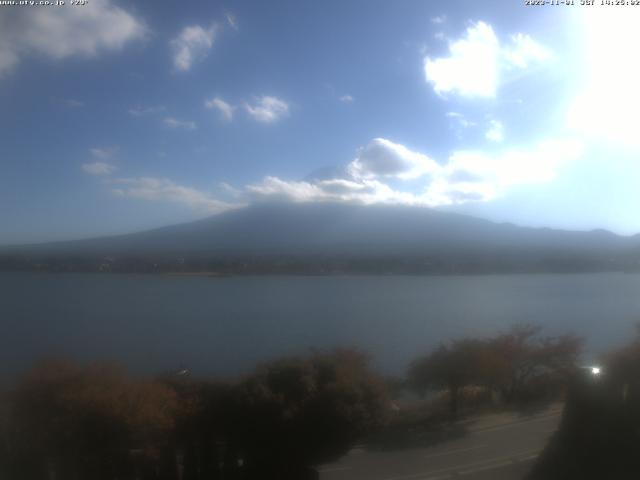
[{"x": 331, "y": 238}]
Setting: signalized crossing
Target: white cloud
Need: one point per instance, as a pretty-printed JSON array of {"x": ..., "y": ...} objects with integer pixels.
[
  {"x": 230, "y": 190},
  {"x": 364, "y": 192},
  {"x": 291, "y": 190},
  {"x": 495, "y": 172},
  {"x": 495, "y": 132},
  {"x": 477, "y": 61},
  {"x": 98, "y": 168},
  {"x": 8, "y": 57},
  {"x": 442, "y": 192},
  {"x": 440, "y": 36},
  {"x": 225, "y": 108},
  {"x": 162, "y": 189},
  {"x": 59, "y": 33},
  {"x": 384, "y": 172},
  {"x": 231, "y": 20},
  {"x": 346, "y": 99},
  {"x": 72, "y": 103},
  {"x": 172, "y": 122},
  {"x": 439, "y": 19},
  {"x": 102, "y": 153},
  {"x": 342, "y": 186},
  {"x": 524, "y": 51},
  {"x": 460, "y": 119},
  {"x": 382, "y": 158},
  {"x": 471, "y": 68},
  {"x": 336, "y": 190},
  {"x": 191, "y": 45},
  {"x": 467, "y": 176},
  {"x": 267, "y": 109},
  {"x": 139, "y": 111}
]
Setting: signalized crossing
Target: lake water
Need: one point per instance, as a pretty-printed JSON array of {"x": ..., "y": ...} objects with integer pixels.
[{"x": 224, "y": 326}]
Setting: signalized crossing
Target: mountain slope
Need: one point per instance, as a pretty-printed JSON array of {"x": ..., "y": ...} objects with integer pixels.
[{"x": 347, "y": 231}]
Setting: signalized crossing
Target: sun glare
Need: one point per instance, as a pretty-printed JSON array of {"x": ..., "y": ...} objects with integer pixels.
[{"x": 608, "y": 98}]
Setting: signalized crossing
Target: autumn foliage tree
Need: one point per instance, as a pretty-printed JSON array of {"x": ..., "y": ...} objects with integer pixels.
[
  {"x": 83, "y": 422},
  {"x": 521, "y": 361},
  {"x": 519, "y": 364},
  {"x": 203, "y": 423},
  {"x": 299, "y": 412},
  {"x": 451, "y": 366},
  {"x": 96, "y": 422}
]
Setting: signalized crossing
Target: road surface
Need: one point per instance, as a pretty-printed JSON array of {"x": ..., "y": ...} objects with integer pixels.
[{"x": 495, "y": 447}]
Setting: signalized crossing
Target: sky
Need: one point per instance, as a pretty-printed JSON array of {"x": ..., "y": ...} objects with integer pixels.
[{"x": 121, "y": 116}]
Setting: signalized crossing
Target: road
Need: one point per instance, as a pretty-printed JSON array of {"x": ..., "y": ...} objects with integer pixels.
[{"x": 495, "y": 447}]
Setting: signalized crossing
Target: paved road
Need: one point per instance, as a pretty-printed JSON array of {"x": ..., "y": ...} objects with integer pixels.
[{"x": 498, "y": 447}]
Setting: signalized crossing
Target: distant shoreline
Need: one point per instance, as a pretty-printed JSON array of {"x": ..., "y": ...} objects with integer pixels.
[
  {"x": 214, "y": 274},
  {"x": 193, "y": 274}
]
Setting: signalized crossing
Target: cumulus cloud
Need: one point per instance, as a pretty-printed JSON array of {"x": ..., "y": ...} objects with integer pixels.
[
  {"x": 477, "y": 61},
  {"x": 466, "y": 176},
  {"x": 491, "y": 174},
  {"x": 98, "y": 168},
  {"x": 342, "y": 186},
  {"x": 59, "y": 33},
  {"x": 471, "y": 68},
  {"x": 162, "y": 189},
  {"x": 292, "y": 190},
  {"x": 172, "y": 122},
  {"x": 346, "y": 99},
  {"x": 524, "y": 51},
  {"x": 223, "y": 107},
  {"x": 495, "y": 132},
  {"x": 335, "y": 190},
  {"x": 383, "y": 172},
  {"x": 267, "y": 109},
  {"x": 383, "y": 158},
  {"x": 191, "y": 45},
  {"x": 365, "y": 192}
]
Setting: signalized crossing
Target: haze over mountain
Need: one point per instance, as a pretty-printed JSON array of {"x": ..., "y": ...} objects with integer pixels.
[{"x": 313, "y": 236}]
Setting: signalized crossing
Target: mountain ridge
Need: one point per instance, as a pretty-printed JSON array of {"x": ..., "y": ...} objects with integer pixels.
[{"x": 338, "y": 231}]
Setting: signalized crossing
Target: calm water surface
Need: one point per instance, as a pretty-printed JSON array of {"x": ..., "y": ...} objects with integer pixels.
[{"x": 225, "y": 325}]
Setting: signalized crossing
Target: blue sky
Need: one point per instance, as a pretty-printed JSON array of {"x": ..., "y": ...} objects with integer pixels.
[{"x": 121, "y": 116}]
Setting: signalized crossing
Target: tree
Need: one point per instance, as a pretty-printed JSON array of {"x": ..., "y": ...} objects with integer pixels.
[
  {"x": 451, "y": 366},
  {"x": 520, "y": 364},
  {"x": 599, "y": 430},
  {"x": 5, "y": 448},
  {"x": 83, "y": 422},
  {"x": 515, "y": 361},
  {"x": 299, "y": 412},
  {"x": 203, "y": 426}
]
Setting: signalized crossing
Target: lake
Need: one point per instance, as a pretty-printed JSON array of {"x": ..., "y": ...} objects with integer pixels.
[{"x": 223, "y": 326}]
